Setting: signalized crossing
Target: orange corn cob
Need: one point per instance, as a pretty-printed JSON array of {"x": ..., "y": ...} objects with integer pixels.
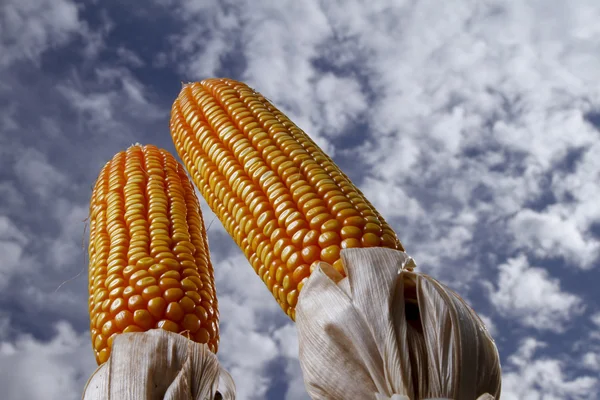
[
  {"x": 149, "y": 262},
  {"x": 284, "y": 202}
]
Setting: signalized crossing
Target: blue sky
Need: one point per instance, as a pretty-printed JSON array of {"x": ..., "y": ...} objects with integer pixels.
[{"x": 473, "y": 126}]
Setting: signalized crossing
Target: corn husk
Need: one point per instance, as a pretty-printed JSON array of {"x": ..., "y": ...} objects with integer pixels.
[
  {"x": 388, "y": 332},
  {"x": 158, "y": 364}
]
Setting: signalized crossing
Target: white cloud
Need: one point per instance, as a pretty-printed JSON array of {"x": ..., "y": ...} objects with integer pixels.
[
  {"x": 287, "y": 342},
  {"x": 277, "y": 49},
  {"x": 596, "y": 319},
  {"x": 434, "y": 238},
  {"x": 533, "y": 297},
  {"x": 581, "y": 213},
  {"x": 12, "y": 242},
  {"x": 111, "y": 103},
  {"x": 53, "y": 370},
  {"x": 536, "y": 378},
  {"x": 247, "y": 312},
  {"x": 129, "y": 57},
  {"x": 38, "y": 175},
  {"x": 281, "y": 70},
  {"x": 296, "y": 389},
  {"x": 495, "y": 80},
  {"x": 11, "y": 255},
  {"x": 69, "y": 247},
  {"x": 547, "y": 234},
  {"x": 237, "y": 279},
  {"x": 591, "y": 360},
  {"x": 9, "y": 231},
  {"x": 42, "y": 261},
  {"x": 203, "y": 57},
  {"x": 341, "y": 102},
  {"x": 394, "y": 200},
  {"x": 30, "y": 27},
  {"x": 595, "y": 333},
  {"x": 7, "y": 117},
  {"x": 245, "y": 352}
]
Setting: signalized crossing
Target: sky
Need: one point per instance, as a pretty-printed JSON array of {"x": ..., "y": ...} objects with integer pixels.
[{"x": 473, "y": 126}]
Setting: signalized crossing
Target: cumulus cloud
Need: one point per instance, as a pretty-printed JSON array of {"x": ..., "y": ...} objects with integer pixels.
[
  {"x": 108, "y": 104},
  {"x": 28, "y": 28},
  {"x": 596, "y": 319},
  {"x": 591, "y": 360},
  {"x": 450, "y": 124},
  {"x": 50, "y": 370},
  {"x": 276, "y": 50},
  {"x": 12, "y": 242},
  {"x": 70, "y": 244},
  {"x": 247, "y": 313},
  {"x": 129, "y": 57},
  {"x": 595, "y": 332},
  {"x": 295, "y": 389},
  {"x": 394, "y": 200},
  {"x": 287, "y": 342},
  {"x": 530, "y": 295},
  {"x": 342, "y": 101},
  {"x": 549, "y": 234},
  {"x": 35, "y": 173},
  {"x": 529, "y": 377}
]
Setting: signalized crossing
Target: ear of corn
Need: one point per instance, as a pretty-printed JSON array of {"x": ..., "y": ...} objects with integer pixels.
[
  {"x": 284, "y": 202},
  {"x": 149, "y": 262}
]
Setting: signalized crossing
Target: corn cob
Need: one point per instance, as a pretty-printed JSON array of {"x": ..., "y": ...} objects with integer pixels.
[
  {"x": 149, "y": 262},
  {"x": 283, "y": 201}
]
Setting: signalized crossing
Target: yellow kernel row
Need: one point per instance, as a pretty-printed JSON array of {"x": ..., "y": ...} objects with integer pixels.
[
  {"x": 149, "y": 262},
  {"x": 284, "y": 202}
]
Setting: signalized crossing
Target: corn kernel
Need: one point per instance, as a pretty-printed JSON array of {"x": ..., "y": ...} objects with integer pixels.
[
  {"x": 147, "y": 247},
  {"x": 283, "y": 201}
]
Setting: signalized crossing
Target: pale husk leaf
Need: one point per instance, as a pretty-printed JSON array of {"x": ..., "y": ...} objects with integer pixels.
[
  {"x": 357, "y": 340},
  {"x": 159, "y": 365}
]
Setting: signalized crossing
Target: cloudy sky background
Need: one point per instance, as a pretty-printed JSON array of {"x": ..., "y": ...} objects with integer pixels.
[{"x": 472, "y": 125}]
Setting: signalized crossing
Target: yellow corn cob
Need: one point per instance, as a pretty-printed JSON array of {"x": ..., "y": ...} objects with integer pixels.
[
  {"x": 149, "y": 262},
  {"x": 284, "y": 202}
]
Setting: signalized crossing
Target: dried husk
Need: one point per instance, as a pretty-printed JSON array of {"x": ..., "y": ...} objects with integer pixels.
[
  {"x": 159, "y": 365},
  {"x": 388, "y": 332}
]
